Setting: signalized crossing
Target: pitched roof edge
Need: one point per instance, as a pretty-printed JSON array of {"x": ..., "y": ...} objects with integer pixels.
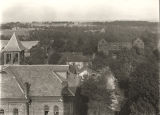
[
  {"x": 18, "y": 45},
  {"x": 57, "y": 76},
  {"x": 71, "y": 92},
  {"x": 62, "y": 82},
  {"x": 20, "y": 85},
  {"x": 14, "y": 39}
]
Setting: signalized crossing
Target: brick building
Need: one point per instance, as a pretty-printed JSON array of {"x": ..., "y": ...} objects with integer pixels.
[
  {"x": 47, "y": 92},
  {"x": 33, "y": 89},
  {"x": 107, "y": 47}
]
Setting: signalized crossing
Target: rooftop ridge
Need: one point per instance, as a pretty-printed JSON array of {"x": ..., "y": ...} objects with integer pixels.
[
  {"x": 38, "y": 65},
  {"x": 14, "y": 44}
]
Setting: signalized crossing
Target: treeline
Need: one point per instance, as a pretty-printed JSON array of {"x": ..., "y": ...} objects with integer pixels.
[
  {"x": 78, "y": 39},
  {"x": 136, "y": 70},
  {"x": 137, "y": 73},
  {"x": 9, "y": 25}
]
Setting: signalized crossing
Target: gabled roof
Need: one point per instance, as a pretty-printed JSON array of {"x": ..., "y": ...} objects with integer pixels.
[
  {"x": 14, "y": 44},
  {"x": 43, "y": 81},
  {"x": 9, "y": 87},
  {"x": 27, "y": 44}
]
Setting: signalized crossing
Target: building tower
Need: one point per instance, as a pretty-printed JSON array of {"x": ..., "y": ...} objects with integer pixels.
[{"x": 13, "y": 52}]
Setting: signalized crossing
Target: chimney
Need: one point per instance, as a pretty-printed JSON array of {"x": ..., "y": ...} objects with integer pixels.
[{"x": 27, "y": 89}]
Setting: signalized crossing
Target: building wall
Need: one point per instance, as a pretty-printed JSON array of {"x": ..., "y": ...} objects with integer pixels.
[
  {"x": 37, "y": 108},
  {"x": 105, "y": 47},
  {"x": 8, "y": 107}
]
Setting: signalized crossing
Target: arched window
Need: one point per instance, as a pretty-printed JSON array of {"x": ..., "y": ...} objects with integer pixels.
[
  {"x": 56, "y": 110},
  {"x": 15, "y": 111},
  {"x": 46, "y": 110},
  {"x": 1, "y": 111}
]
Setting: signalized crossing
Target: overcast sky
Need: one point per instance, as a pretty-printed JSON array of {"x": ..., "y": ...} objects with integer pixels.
[{"x": 78, "y": 10}]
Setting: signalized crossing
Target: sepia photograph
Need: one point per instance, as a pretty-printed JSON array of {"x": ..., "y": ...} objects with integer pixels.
[{"x": 79, "y": 57}]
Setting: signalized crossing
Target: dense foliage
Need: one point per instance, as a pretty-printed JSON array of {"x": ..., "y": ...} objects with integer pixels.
[
  {"x": 135, "y": 69},
  {"x": 95, "y": 90},
  {"x": 37, "y": 56}
]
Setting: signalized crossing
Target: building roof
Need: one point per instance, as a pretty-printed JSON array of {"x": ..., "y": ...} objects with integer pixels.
[
  {"x": 26, "y": 44},
  {"x": 9, "y": 86},
  {"x": 14, "y": 44},
  {"x": 29, "y": 44},
  {"x": 74, "y": 57},
  {"x": 43, "y": 79}
]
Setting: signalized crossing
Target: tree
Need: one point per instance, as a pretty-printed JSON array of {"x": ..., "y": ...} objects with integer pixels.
[
  {"x": 37, "y": 55},
  {"x": 97, "y": 93},
  {"x": 144, "y": 83},
  {"x": 99, "y": 62},
  {"x": 142, "y": 107},
  {"x": 90, "y": 46},
  {"x": 58, "y": 45},
  {"x": 143, "y": 90},
  {"x": 69, "y": 46},
  {"x": 79, "y": 45},
  {"x": 54, "y": 58}
]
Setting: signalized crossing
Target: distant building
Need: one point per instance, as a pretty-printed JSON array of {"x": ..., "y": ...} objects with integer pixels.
[
  {"x": 106, "y": 47},
  {"x": 86, "y": 73},
  {"x": 75, "y": 58},
  {"x": 15, "y": 28},
  {"x": 138, "y": 43},
  {"x": 96, "y": 30},
  {"x": 103, "y": 46}
]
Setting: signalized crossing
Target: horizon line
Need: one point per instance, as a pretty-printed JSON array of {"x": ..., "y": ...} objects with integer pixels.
[{"x": 152, "y": 21}]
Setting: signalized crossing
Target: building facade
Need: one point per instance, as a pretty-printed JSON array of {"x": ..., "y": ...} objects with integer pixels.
[
  {"x": 33, "y": 89},
  {"x": 107, "y": 47}
]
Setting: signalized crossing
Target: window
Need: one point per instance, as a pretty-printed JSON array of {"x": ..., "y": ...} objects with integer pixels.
[
  {"x": 56, "y": 110},
  {"x": 46, "y": 110},
  {"x": 1, "y": 111},
  {"x": 8, "y": 58},
  {"x": 15, "y": 111},
  {"x": 15, "y": 58}
]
